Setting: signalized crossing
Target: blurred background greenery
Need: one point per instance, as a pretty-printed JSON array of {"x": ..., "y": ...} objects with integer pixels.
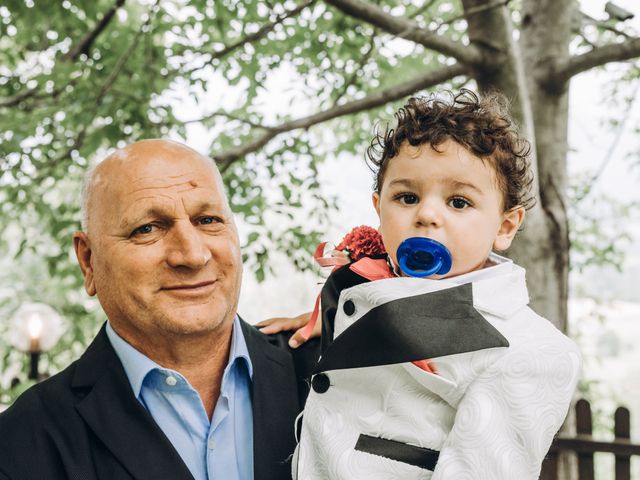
[{"x": 284, "y": 95}]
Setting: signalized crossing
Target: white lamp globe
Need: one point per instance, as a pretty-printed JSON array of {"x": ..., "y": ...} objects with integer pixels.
[{"x": 35, "y": 327}]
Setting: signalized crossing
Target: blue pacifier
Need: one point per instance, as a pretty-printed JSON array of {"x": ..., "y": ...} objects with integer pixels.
[{"x": 422, "y": 257}]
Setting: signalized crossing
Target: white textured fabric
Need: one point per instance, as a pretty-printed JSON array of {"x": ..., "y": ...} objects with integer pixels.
[{"x": 491, "y": 414}]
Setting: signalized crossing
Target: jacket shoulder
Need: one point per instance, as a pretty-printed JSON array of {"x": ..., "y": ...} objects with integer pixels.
[
  {"x": 41, "y": 418},
  {"x": 39, "y": 400}
]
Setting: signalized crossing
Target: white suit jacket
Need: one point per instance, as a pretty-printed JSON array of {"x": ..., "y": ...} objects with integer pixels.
[{"x": 504, "y": 380}]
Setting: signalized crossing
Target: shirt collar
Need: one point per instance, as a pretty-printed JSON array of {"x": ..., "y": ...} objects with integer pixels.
[
  {"x": 498, "y": 265},
  {"x": 499, "y": 289},
  {"x": 239, "y": 348},
  {"x": 137, "y": 365}
]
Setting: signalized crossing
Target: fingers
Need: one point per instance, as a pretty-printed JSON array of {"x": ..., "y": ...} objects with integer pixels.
[
  {"x": 275, "y": 325},
  {"x": 266, "y": 322},
  {"x": 281, "y": 324},
  {"x": 298, "y": 338}
]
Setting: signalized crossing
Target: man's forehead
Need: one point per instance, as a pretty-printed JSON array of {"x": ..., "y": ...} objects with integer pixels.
[
  {"x": 160, "y": 179},
  {"x": 150, "y": 169},
  {"x": 157, "y": 164}
]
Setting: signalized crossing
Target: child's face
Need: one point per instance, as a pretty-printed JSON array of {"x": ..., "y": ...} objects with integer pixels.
[{"x": 452, "y": 197}]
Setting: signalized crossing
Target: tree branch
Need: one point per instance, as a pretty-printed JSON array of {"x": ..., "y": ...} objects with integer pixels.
[
  {"x": 429, "y": 79},
  {"x": 252, "y": 37},
  {"x": 17, "y": 98},
  {"x": 230, "y": 116},
  {"x": 407, "y": 29},
  {"x": 122, "y": 60},
  {"x": 84, "y": 45},
  {"x": 363, "y": 61},
  {"x": 105, "y": 87},
  {"x": 473, "y": 11},
  {"x": 422, "y": 9},
  {"x": 615, "y": 52}
]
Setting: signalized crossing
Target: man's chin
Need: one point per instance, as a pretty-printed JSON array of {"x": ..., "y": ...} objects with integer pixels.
[{"x": 196, "y": 320}]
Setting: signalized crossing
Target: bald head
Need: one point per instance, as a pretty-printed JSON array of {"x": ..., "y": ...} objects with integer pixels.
[
  {"x": 106, "y": 178},
  {"x": 161, "y": 249}
]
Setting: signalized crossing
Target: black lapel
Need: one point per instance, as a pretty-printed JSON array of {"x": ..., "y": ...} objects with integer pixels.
[
  {"x": 413, "y": 328},
  {"x": 275, "y": 404},
  {"x": 338, "y": 281},
  {"x": 119, "y": 421}
]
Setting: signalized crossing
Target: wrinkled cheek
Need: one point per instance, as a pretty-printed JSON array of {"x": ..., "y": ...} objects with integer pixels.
[{"x": 230, "y": 260}]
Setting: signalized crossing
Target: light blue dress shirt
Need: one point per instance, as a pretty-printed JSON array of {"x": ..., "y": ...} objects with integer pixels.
[{"x": 221, "y": 449}]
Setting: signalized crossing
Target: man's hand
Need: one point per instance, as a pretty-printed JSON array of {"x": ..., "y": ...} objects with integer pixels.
[{"x": 280, "y": 324}]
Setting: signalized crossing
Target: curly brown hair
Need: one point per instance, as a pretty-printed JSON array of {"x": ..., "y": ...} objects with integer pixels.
[{"x": 483, "y": 126}]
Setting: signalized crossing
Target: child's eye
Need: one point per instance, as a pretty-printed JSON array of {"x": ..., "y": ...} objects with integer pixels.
[
  {"x": 407, "y": 198},
  {"x": 459, "y": 203}
]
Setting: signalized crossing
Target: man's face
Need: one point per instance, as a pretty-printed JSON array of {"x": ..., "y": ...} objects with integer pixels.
[
  {"x": 162, "y": 251},
  {"x": 452, "y": 197}
]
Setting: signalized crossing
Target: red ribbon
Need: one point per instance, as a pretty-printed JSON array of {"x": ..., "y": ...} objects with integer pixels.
[{"x": 369, "y": 268}]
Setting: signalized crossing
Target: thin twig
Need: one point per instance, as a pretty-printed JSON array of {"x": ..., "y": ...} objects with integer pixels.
[
  {"x": 17, "y": 98},
  {"x": 612, "y": 146},
  {"x": 422, "y": 9},
  {"x": 602, "y": 24},
  {"x": 560, "y": 74},
  {"x": 253, "y": 37},
  {"x": 408, "y": 29},
  {"x": 428, "y": 79},
  {"x": 84, "y": 45},
  {"x": 363, "y": 61},
  {"x": 473, "y": 11},
  {"x": 230, "y": 116},
  {"x": 82, "y": 134}
]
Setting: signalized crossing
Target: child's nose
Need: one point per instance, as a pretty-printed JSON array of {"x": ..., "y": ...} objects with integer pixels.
[{"x": 428, "y": 215}]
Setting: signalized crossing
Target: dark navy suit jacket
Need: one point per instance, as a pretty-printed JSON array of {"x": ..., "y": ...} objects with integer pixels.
[{"x": 85, "y": 423}]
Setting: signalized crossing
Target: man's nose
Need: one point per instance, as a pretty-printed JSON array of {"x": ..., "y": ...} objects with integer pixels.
[{"x": 186, "y": 247}]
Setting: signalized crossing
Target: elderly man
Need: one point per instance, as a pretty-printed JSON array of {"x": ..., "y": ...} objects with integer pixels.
[{"x": 175, "y": 386}]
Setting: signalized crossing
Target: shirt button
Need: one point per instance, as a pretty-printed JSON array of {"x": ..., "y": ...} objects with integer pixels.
[
  {"x": 171, "y": 381},
  {"x": 211, "y": 444}
]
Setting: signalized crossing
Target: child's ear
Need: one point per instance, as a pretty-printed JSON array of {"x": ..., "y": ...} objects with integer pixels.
[
  {"x": 375, "y": 198},
  {"x": 511, "y": 221}
]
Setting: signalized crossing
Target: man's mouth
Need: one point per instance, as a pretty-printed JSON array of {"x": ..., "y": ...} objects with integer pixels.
[{"x": 198, "y": 288}]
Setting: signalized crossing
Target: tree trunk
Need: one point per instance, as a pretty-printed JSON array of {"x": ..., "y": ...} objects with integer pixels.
[
  {"x": 541, "y": 110},
  {"x": 545, "y": 37}
]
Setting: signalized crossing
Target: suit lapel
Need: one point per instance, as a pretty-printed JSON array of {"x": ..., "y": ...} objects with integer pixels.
[
  {"x": 429, "y": 325},
  {"x": 115, "y": 416},
  {"x": 275, "y": 405}
]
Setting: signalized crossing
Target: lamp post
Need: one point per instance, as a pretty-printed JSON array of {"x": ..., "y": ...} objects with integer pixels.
[{"x": 35, "y": 328}]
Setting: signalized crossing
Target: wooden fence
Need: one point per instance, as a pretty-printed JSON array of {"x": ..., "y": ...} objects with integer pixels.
[{"x": 584, "y": 446}]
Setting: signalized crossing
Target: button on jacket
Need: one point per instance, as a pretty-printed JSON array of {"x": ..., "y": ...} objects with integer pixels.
[
  {"x": 503, "y": 383},
  {"x": 85, "y": 423}
]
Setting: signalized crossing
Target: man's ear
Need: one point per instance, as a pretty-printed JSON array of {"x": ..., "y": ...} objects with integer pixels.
[
  {"x": 511, "y": 221},
  {"x": 83, "y": 254},
  {"x": 375, "y": 198}
]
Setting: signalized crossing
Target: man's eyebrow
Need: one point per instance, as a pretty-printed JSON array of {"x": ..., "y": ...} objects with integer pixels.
[
  {"x": 130, "y": 220},
  {"x": 160, "y": 211},
  {"x": 209, "y": 205}
]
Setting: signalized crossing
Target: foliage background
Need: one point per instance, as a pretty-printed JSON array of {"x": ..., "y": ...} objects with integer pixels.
[{"x": 225, "y": 76}]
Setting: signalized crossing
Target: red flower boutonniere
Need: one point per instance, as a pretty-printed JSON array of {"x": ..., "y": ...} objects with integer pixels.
[{"x": 363, "y": 241}]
